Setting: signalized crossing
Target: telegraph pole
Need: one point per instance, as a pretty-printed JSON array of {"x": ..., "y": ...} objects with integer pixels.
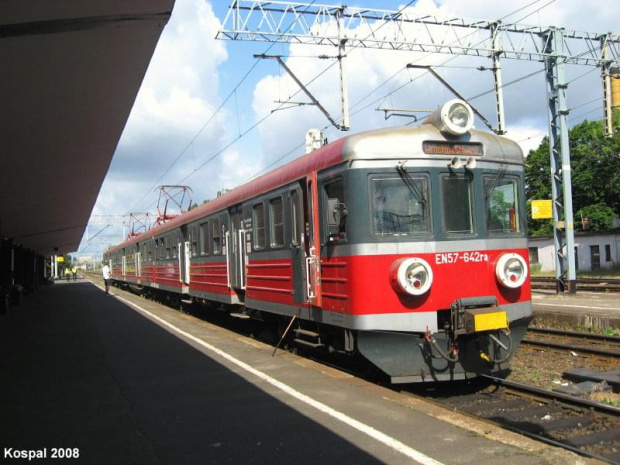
[
  {"x": 344, "y": 90},
  {"x": 559, "y": 150}
]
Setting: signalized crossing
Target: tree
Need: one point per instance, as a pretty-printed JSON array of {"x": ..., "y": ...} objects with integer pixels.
[
  {"x": 597, "y": 217},
  {"x": 595, "y": 172}
]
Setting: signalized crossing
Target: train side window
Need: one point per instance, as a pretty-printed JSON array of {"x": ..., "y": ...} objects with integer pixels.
[
  {"x": 295, "y": 218},
  {"x": 162, "y": 248},
  {"x": 335, "y": 209},
  {"x": 216, "y": 236},
  {"x": 168, "y": 246},
  {"x": 194, "y": 239},
  {"x": 456, "y": 193},
  {"x": 276, "y": 222},
  {"x": 204, "y": 238},
  {"x": 258, "y": 226},
  {"x": 501, "y": 205}
]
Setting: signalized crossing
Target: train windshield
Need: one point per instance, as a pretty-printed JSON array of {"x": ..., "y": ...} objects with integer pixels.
[
  {"x": 502, "y": 212},
  {"x": 456, "y": 193},
  {"x": 400, "y": 206}
]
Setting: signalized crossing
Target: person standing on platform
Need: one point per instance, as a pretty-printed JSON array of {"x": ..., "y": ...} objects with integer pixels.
[
  {"x": 105, "y": 271},
  {"x": 74, "y": 272}
]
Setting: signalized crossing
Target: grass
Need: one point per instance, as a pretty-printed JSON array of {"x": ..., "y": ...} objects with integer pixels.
[
  {"x": 606, "y": 398},
  {"x": 612, "y": 272}
]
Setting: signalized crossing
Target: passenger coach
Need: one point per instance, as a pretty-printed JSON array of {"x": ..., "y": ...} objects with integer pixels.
[{"x": 405, "y": 245}]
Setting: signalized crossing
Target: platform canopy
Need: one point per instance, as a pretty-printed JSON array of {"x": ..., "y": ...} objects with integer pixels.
[{"x": 70, "y": 71}]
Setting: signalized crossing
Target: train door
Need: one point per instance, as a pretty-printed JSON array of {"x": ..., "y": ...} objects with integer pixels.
[
  {"x": 312, "y": 247},
  {"x": 298, "y": 244},
  {"x": 183, "y": 255},
  {"x": 238, "y": 249},
  {"x": 138, "y": 264}
]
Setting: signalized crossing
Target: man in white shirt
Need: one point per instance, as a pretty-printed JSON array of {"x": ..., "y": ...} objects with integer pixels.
[{"x": 106, "y": 277}]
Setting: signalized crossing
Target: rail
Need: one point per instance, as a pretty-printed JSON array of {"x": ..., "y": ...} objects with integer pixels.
[{"x": 583, "y": 284}]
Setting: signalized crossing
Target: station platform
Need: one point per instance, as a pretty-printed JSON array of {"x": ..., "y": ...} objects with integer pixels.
[
  {"x": 585, "y": 310},
  {"x": 120, "y": 379}
]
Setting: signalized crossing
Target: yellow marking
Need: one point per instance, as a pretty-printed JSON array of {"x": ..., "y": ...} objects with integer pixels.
[{"x": 490, "y": 321}]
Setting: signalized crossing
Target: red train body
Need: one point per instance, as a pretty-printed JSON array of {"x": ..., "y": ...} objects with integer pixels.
[{"x": 405, "y": 245}]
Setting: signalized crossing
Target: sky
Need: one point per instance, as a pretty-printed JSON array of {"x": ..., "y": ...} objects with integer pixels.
[{"x": 209, "y": 115}]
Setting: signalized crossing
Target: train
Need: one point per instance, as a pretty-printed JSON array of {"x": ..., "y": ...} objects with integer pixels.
[{"x": 405, "y": 246}]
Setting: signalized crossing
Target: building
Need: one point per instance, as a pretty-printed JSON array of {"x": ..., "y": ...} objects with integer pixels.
[{"x": 594, "y": 251}]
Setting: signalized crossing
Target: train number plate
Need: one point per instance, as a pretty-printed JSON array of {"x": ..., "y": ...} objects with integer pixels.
[{"x": 449, "y": 258}]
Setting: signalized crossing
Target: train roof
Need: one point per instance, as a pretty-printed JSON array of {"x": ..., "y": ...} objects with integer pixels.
[
  {"x": 379, "y": 144},
  {"x": 407, "y": 142}
]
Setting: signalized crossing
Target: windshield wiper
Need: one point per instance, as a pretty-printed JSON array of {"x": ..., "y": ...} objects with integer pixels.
[
  {"x": 410, "y": 183},
  {"x": 493, "y": 184}
]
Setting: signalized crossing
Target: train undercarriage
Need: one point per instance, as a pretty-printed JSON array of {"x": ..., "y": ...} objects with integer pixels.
[{"x": 456, "y": 351}]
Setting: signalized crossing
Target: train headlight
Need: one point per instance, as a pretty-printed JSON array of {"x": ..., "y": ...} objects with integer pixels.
[
  {"x": 454, "y": 117},
  {"x": 511, "y": 270},
  {"x": 413, "y": 276}
]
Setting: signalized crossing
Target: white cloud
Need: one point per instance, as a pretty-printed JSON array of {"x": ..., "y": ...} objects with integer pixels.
[
  {"x": 191, "y": 73},
  {"x": 525, "y": 100},
  {"x": 166, "y": 136}
]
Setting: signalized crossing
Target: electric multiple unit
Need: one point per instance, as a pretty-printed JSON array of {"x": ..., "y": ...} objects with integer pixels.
[{"x": 406, "y": 246}]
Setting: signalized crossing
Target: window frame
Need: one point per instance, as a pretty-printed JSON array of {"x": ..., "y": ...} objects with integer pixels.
[
  {"x": 273, "y": 225},
  {"x": 518, "y": 210},
  {"x": 203, "y": 230},
  {"x": 216, "y": 236},
  {"x": 256, "y": 228},
  {"x": 428, "y": 211},
  {"x": 295, "y": 197},
  {"x": 339, "y": 235},
  {"x": 472, "y": 205}
]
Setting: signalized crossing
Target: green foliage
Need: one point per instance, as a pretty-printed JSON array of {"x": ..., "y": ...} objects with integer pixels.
[
  {"x": 595, "y": 171},
  {"x": 500, "y": 208},
  {"x": 600, "y": 217}
]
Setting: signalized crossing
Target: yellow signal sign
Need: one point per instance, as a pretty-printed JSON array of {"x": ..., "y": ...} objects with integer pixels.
[{"x": 542, "y": 209}]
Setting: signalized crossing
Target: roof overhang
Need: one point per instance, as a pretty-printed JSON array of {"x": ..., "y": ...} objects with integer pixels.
[{"x": 70, "y": 71}]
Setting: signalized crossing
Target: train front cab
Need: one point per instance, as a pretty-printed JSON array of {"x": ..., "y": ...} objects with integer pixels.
[{"x": 424, "y": 255}]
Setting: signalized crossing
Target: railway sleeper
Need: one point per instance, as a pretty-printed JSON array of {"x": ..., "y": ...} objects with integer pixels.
[
  {"x": 493, "y": 407},
  {"x": 610, "y": 435},
  {"x": 611, "y": 377},
  {"x": 532, "y": 412},
  {"x": 565, "y": 424}
]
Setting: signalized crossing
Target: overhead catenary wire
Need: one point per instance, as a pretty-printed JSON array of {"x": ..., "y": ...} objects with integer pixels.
[
  {"x": 272, "y": 111},
  {"x": 357, "y": 103},
  {"x": 211, "y": 118},
  {"x": 392, "y": 92},
  {"x": 261, "y": 120},
  {"x": 452, "y": 59}
]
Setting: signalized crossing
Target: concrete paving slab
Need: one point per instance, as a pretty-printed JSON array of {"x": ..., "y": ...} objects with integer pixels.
[{"x": 599, "y": 310}]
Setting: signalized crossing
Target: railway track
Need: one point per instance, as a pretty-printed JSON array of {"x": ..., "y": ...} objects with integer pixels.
[
  {"x": 583, "y": 284},
  {"x": 587, "y": 428},
  {"x": 579, "y": 342}
]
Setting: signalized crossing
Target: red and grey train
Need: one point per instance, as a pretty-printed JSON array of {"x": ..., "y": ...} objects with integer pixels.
[{"x": 406, "y": 246}]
